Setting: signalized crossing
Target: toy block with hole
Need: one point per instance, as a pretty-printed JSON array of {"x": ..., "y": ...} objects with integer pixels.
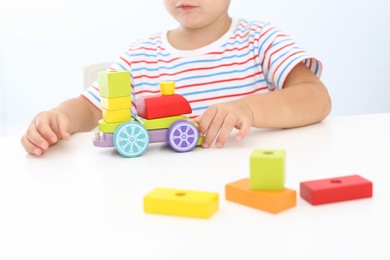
[
  {"x": 115, "y": 116},
  {"x": 337, "y": 189},
  {"x": 115, "y": 103},
  {"x": 114, "y": 84},
  {"x": 267, "y": 169},
  {"x": 269, "y": 201},
  {"x": 187, "y": 203}
]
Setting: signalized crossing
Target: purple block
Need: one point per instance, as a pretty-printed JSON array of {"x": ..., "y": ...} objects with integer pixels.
[
  {"x": 159, "y": 135},
  {"x": 103, "y": 140}
]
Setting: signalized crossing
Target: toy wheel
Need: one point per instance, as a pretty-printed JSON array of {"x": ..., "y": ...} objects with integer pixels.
[
  {"x": 182, "y": 136},
  {"x": 131, "y": 139}
]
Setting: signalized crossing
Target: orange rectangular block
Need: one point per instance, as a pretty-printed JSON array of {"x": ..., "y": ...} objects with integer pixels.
[{"x": 270, "y": 201}]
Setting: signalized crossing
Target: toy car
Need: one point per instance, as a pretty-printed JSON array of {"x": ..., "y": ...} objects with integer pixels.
[{"x": 160, "y": 118}]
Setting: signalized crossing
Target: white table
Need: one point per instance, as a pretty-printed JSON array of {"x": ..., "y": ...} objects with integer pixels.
[{"x": 83, "y": 202}]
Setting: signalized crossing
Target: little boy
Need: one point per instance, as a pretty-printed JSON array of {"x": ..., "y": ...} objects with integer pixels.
[{"x": 235, "y": 74}]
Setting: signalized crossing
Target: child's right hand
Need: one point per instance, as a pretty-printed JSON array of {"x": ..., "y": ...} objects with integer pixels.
[{"x": 45, "y": 130}]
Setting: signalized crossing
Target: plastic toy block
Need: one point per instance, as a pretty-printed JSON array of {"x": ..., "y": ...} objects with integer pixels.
[
  {"x": 167, "y": 88},
  {"x": 188, "y": 203},
  {"x": 270, "y": 201},
  {"x": 162, "y": 106},
  {"x": 114, "y": 84},
  {"x": 337, "y": 189},
  {"x": 267, "y": 169},
  {"x": 159, "y": 123},
  {"x": 107, "y": 127},
  {"x": 115, "y": 116},
  {"x": 115, "y": 103}
]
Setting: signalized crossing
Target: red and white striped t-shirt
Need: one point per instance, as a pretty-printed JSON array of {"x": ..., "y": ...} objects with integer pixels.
[{"x": 252, "y": 57}]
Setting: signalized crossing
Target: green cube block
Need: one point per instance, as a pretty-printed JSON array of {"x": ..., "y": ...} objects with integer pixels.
[
  {"x": 114, "y": 84},
  {"x": 267, "y": 169}
]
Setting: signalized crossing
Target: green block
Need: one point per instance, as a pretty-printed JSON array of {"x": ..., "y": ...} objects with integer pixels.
[
  {"x": 107, "y": 127},
  {"x": 159, "y": 123},
  {"x": 114, "y": 84},
  {"x": 267, "y": 169}
]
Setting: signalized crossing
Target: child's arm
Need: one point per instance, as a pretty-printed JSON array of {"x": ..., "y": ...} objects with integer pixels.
[
  {"x": 303, "y": 100},
  {"x": 47, "y": 128}
]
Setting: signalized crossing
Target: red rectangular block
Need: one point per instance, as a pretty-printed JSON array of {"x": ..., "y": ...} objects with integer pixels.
[{"x": 336, "y": 189}]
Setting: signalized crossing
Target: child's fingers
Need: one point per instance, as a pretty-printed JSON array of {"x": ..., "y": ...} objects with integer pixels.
[
  {"x": 206, "y": 119},
  {"x": 213, "y": 130},
  {"x": 44, "y": 127},
  {"x": 30, "y": 147},
  {"x": 198, "y": 119},
  {"x": 225, "y": 131},
  {"x": 61, "y": 127},
  {"x": 243, "y": 132},
  {"x": 33, "y": 141}
]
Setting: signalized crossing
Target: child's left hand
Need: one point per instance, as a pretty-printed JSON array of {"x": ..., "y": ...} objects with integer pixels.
[{"x": 218, "y": 121}]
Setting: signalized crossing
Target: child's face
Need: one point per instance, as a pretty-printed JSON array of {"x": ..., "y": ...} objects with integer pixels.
[{"x": 193, "y": 14}]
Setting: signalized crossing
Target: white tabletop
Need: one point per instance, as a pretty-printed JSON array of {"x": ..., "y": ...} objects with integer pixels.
[{"x": 84, "y": 202}]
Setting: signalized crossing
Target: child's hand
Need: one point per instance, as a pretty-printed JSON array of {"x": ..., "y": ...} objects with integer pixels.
[
  {"x": 219, "y": 120},
  {"x": 46, "y": 129}
]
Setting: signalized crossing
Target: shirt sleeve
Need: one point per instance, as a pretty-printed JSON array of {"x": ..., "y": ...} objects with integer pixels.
[{"x": 279, "y": 54}]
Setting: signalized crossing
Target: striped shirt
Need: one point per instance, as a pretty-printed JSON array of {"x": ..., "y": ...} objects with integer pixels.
[{"x": 251, "y": 58}]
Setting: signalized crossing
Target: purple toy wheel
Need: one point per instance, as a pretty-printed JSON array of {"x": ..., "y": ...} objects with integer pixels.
[{"x": 182, "y": 136}]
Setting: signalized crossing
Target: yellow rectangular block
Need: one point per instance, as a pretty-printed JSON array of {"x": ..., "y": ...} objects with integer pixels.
[
  {"x": 115, "y": 103},
  {"x": 114, "y": 116},
  {"x": 188, "y": 203}
]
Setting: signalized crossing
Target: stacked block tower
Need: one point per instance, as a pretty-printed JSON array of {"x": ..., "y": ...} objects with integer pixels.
[
  {"x": 264, "y": 189},
  {"x": 115, "y": 100}
]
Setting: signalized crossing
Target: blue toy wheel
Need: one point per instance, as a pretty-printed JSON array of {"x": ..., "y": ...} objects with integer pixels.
[
  {"x": 182, "y": 136},
  {"x": 131, "y": 139}
]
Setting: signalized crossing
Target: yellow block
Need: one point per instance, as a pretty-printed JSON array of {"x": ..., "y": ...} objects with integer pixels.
[
  {"x": 115, "y": 116},
  {"x": 115, "y": 103},
  {"x": 188, "y": 203},
  {"x": 167, "y": 88},
  {"x": 106, "y": 127}
]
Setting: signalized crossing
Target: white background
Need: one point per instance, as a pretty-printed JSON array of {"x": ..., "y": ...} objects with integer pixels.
[{"x": 44, "y": 45}]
